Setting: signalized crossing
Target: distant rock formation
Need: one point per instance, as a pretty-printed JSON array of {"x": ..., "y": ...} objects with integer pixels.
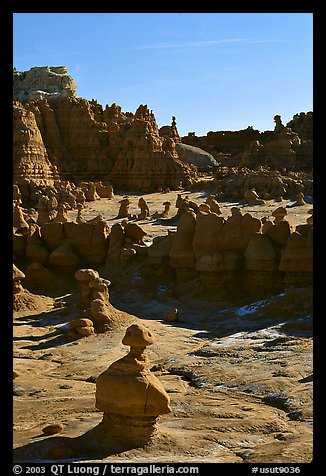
[
  {"x": 234, "y": 182},
  {"x": 59, "y": 136},
  {"x": 42, "y": 82},
  {"x": 287, "y": 146}
]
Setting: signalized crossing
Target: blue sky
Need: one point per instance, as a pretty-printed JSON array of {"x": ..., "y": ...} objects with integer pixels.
[{"x": 213, "y": 71}]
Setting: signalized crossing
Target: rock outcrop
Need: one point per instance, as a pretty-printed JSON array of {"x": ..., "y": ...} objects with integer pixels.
[
  {"x": 43, "y": 82},
  {"x": 234, "y": 182},
  {"x": 289, "y": 145},
  {"x": 63, "y": 137},
  {"x": 240, "y": 254}
]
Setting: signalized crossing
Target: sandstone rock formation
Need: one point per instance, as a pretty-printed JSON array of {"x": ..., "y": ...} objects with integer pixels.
[
  {"x": 285, "y": 146},
  {"x": 144, "y": 210},
  {"x": 104, "y": 191},
  {"x": 43, "y": 82},
  {"x": 166, "y": 211},
  {"x": 124, "y": 208},
  {"x": 214, "y": 207},
  {"x": 131, "y": 397},
  {"x": 159, "y": 251},
  {"x": 35, "y": 247},
  {"x": 170, "y": 131},
  {"x": 95, "y": 300},
  {"x": 297, "y": 258},
  {"x": 84, "y": 276},
  {"x": 252, "y": 198},
  {"x": 233, "y": 182},
  {"x": 181, "y": 252},
  {"x": 183, "y": 204},
  {"x": 79, "y": 328},
  {"x": 62, "y": 215},
  {"x": 134, "y": 232},
  {"x": 76, "y": 139},
  {"x": 31, "y": 159},
  {"x": 116, "y": 243},
  {"x": 279, "y": 214}
]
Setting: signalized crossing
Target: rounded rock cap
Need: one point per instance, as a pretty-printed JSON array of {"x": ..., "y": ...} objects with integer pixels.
[
  {"x": 280, "y": 212},
  {"x": 86, "y": 274},
  {"x": 138, "y": 336}
]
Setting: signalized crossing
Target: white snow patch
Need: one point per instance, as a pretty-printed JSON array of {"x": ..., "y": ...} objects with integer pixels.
[{"x": 250, "y": 308}]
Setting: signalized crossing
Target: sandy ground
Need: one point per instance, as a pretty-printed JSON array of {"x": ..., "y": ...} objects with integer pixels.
[
  {"x": 108, "y": 209},
  {"x": 239, "y": 377}
]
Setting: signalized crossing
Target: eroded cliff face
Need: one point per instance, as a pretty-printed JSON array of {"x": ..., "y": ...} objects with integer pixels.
[
  {"x": 77, "y": 139},
  {"x": 30, "y": 156}
]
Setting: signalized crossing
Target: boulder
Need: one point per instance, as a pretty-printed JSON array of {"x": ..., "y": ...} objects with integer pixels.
[{"x": 194, "y": 155}]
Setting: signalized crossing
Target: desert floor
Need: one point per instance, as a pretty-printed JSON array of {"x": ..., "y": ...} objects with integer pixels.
[{"x": 239, "y": 375}]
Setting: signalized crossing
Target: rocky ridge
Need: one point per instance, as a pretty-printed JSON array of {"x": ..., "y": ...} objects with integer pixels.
[{"x": 43, "y": 82}]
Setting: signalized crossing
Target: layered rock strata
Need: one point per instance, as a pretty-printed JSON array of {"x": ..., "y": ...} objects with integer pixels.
[
  {"x": 70, "y": 138},
  {"x": 289, "y": 146}
]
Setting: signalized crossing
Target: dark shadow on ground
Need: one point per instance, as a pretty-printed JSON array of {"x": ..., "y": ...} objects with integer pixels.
[{"x": 96, "y": 443}]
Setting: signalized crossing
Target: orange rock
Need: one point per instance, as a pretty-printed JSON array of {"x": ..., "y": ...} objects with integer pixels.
[
  {"x": 82, "y": 322},
  {"x": 53, "y": 429}
]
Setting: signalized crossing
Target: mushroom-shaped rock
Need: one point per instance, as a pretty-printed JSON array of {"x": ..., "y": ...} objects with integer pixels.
[
  {"x": 124, "y": 208},
  {"x": 130, "y": 396},
  {"x": 279, "y": 214},
  {"x": 137, "y": 336},
  {"x": 167, "y": 206},
  {"x": 79, "y": 328},
  {"x": 99, "y": 287},
  {"x": 84, "y": 276},
  {"x": 134, "y": 231},
  {"x": 19, "y": 219},
  {"x": 213, "y": 205},
  {"x": 144, "y": 209}
]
